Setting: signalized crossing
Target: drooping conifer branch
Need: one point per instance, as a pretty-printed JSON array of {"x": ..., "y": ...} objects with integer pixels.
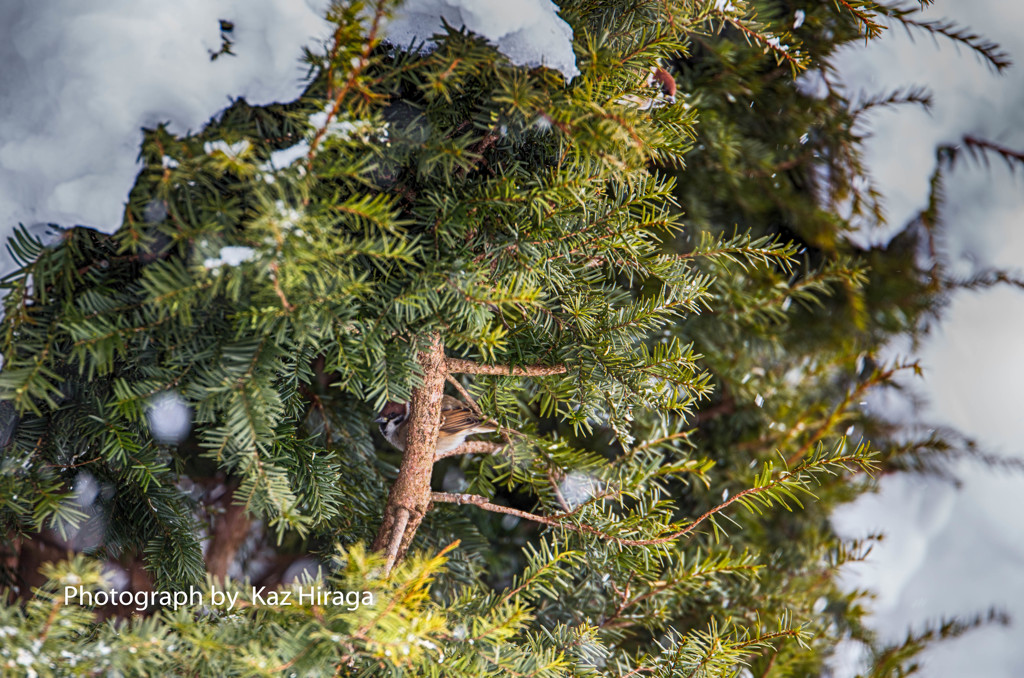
[
  {"x": 767, "y": 491},
  {"x": 558, "y": 521}
]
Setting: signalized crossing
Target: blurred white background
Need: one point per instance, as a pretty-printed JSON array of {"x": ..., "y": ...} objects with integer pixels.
[{"x": 954, "y": 551}]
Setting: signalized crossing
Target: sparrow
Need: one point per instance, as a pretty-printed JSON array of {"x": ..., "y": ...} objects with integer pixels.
[
  {"x": 658, "y": 78},
  {"x": 458, "y": 420}
]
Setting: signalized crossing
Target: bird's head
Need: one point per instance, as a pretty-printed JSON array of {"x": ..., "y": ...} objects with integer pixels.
[{"x": 391, "y": 417}]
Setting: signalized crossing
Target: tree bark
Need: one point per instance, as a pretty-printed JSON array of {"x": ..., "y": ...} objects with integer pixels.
[
  {"x": 410, "y": 495},
  {"x": 230, "y": 528},
  {"x": 470, "y": 367}
]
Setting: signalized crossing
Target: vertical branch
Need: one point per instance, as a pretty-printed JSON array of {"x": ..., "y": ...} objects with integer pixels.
[
  {"x": 230, "y": 528},
  {"x": 410, "y": 495}
]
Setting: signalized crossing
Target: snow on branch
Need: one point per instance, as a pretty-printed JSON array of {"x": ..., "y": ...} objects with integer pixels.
[{"x": 528, "y": 32}]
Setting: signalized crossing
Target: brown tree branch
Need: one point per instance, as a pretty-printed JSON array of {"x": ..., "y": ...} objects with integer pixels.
[
  {"x": 394, "y": 544},
  {"x": 477, "y": 500},
  {"x": 457, "y": 365},
  {"x": 557, "y": 521},
  {"x": 553, "y": 521},
  {"x": 275, "y": 276},
  {"x": 410, "y": 495},
  {"x": 230, "y": 528},
  {"x": 471, "y": 447}
]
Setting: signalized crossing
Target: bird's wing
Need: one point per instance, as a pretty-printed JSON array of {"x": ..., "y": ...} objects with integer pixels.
[
  {"x": 450, "y": 403},
  {"x": 457, "y": 416},
  {"x": 457, "y": 420}
]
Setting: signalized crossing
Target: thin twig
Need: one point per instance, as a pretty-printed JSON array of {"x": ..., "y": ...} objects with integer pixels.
[
  {"x": 277, "y": 287},
  {"x": 481, "y": 502},
  {"x": 357, "y": 67},
  {"x": 464, "y": 393},
  {"x": 558, "y": 493}
]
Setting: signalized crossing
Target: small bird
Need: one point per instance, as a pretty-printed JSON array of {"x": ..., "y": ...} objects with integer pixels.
[
  {"x": 667, "y": 82},
  {"x": 458, "y": 420},
  {"x": 658, "y": 78}
]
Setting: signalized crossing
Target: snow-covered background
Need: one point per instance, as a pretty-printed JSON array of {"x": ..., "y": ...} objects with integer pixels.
[
  {"x": 80, "y": 77},
  {"x": 955, "y": 551}
]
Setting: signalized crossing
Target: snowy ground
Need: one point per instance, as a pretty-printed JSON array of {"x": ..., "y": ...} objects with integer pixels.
[{"x": 80, "y": 77}]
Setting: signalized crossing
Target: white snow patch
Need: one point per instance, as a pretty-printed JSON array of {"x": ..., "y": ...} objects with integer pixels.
[
  {"x": 319, "y": 120},
  {"x": 346, "y": 129},
  {"x": 286, "y": 156},
  {"x": 86, "y": 489},
  {"x": 578, "y": 487},
  {"x": 232, "y": 255},
  {"x": 80, "y": 78},
  {"x": 170, "y": 418},
  {"x": 233, "y": 151},
  {"x": 798, "y": 19},
  {"x": 288, "y": 216},
  {"x": 528, "y": 32}
]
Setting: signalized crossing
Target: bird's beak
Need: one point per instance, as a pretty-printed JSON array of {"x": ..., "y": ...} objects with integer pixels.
[{"x": 380, "y": 420}]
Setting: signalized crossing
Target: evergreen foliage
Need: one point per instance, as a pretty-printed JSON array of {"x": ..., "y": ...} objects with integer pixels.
[{"x": 661, "y": 307}]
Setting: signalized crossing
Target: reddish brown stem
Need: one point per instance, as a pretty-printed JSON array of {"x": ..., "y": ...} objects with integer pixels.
[
  {"x": 465, "y": 394},
  {"x": 277, "y": 288}
]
